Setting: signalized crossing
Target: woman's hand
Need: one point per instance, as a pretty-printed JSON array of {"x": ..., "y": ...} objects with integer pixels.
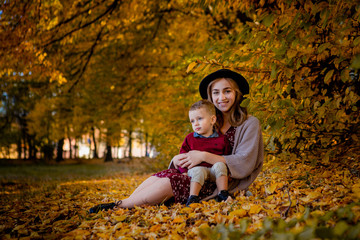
[
  {"x": 192, "y": 159},
  {"x": 177, "y": 159},
  {"x": 195, "y": 157}
]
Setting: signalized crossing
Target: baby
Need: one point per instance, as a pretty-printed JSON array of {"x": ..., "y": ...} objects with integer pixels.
[{"x": 202, "y": 116}]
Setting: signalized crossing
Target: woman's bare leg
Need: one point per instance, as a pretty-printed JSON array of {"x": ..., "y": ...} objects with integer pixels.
[
  {"x": 153, "y": 192},
  {"x": 149, "y": 181}
]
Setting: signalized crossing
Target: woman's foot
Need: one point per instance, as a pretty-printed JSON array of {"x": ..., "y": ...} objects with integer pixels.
[
  {"x": 104, "y": 206},
  {"x": 192, "y": 199}
]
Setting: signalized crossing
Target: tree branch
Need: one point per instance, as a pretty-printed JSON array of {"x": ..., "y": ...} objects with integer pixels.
[
  {"x": 108, "y": 11},
  {"x": 78, "y": 14},
  {"x": 87, "y": 61}
]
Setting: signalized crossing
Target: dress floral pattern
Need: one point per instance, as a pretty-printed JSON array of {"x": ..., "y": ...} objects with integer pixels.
[{"x": 180, "y": 183}]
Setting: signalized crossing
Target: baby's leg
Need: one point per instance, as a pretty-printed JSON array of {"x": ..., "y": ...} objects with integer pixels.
[
  {"x": 220, "y": 173},
  {"x": 222, "y": 183},
  {"x": 198, "y": 176},
  {"x": 195, "y": 188}
]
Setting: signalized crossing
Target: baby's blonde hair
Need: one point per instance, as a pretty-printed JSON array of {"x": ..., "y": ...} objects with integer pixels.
[{"x": 206, "y": 104}]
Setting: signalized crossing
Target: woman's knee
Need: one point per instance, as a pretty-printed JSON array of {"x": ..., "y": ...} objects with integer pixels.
[{"x": 155, "y": 193}]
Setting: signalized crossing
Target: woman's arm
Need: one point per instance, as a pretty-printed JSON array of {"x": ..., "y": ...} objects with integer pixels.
[
  {"x": 195, "y": 157},
  {"x": 248, "y": 153}
]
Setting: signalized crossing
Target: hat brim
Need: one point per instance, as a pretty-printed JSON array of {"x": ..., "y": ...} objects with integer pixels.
[{"x": 223, "y": 73}]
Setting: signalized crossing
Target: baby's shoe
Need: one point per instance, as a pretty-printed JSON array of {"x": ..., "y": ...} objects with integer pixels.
[
  {"x": 192, "y": 199},
  {"x": 222, "y": 196}
]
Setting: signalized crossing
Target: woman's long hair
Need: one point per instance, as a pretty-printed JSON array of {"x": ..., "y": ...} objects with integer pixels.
[{"x": 238, "y": 114}]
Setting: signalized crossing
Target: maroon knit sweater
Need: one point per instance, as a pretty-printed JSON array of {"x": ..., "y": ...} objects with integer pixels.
[{"x": 216, "y": 145}]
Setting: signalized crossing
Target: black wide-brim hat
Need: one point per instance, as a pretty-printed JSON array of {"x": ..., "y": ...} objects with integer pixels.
[{"x": 223, "y": 73}]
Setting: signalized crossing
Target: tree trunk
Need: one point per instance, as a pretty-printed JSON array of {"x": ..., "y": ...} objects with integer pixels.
[
  {"x": 35, "y": 151},
  {"x": 25, "y": 150},
  {"x": 146, "y": 145},
  {"x": 32, "y": 147},
  {"x": 75, "y": 149},
  {"x": 130, "y": 144},
  {"x": 59, "y": 154},
  {"x": 22, "y": 137},
  {"x": 95, "y": 155},
  {"x": 19, "y": 148},
  {"x": 108, "y": 155},
  {"x": 48, "y": 151},
  {"x": 24, "y": 145},
  {"x": 70, "y": 148}
]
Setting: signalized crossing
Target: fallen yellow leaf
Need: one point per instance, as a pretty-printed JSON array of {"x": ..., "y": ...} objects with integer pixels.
[
  {"x": 178, "y": 220},
  {"x": 238, "y": 213}
]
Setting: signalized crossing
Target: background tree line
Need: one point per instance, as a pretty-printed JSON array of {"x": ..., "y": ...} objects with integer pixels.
[{"x": 68, "y": 67}]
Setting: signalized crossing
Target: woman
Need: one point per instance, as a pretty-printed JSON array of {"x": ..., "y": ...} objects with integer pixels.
[{"x": 225, "y": 89}]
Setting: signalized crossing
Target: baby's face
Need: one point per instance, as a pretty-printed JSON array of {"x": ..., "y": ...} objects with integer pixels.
[{"x": 202, "y": 121}]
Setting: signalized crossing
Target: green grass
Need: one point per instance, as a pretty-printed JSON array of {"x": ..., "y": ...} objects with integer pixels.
[
  {"x": 59, "y": 172},
  {"x": 69, "y": 169},
  {"x": 25, "y": 179}
]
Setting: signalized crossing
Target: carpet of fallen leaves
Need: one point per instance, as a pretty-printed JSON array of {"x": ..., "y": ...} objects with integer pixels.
[{"x": 59, "y": 209}]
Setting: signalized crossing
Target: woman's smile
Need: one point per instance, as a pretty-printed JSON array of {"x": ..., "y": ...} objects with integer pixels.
[{"x": 223, "y": 103}]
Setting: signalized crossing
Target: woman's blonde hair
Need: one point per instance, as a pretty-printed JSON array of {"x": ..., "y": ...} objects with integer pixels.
[{"x": 238, "y": 114}]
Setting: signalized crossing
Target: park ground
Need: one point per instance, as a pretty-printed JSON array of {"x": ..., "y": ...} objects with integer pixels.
[{"x": 289, "y": 200}]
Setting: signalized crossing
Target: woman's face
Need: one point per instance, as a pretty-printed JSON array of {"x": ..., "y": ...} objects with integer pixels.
[{"x": 223, "y": 95}]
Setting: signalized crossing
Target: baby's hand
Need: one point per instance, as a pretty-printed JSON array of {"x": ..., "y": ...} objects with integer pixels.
[{"x": 185, "y": 173}]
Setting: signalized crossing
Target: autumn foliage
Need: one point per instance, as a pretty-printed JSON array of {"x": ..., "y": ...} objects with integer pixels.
[
  {"x": 288, "y": 200},
  {"x": 69, "y": 67}
]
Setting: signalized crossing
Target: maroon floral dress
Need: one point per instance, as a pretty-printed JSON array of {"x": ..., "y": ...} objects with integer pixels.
[{"x": 181, "y": 183}]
